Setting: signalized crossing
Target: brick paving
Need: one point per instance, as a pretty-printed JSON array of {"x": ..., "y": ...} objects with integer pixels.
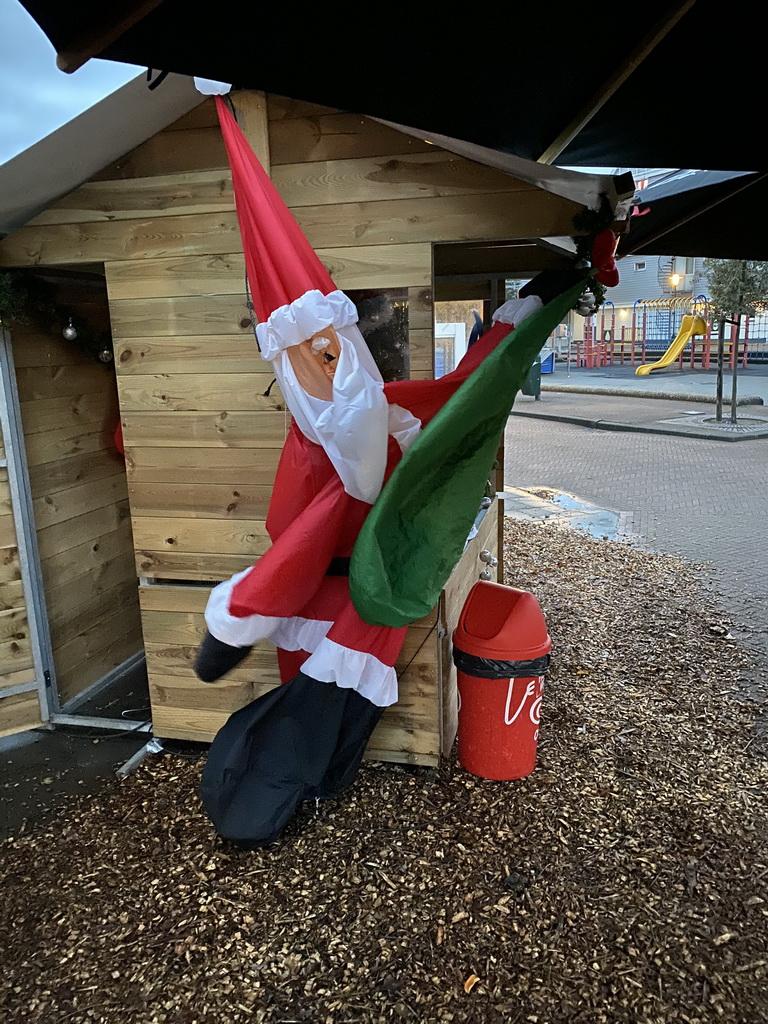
[{"x": 704, "y": 500}]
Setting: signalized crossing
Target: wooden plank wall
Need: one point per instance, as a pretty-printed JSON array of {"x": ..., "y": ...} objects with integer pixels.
[
  {"x": 20, "y": 711},
  {"x": 420, "y": 727},
  {"x": 69, "y": 412},
  {"x": 203, "y": 438},
  {"x": 185, "y": 708}
]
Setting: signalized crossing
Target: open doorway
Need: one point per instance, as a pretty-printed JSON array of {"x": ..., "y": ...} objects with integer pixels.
[
  {"x": 471, "y": 281},
  {"x": 70, "y": 582}
]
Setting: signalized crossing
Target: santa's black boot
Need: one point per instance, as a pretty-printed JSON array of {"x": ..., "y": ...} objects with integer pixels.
[{"x": 214, "y": 658}]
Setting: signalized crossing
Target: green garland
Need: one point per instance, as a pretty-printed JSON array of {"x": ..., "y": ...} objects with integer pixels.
[{"x": 13, "y": 300}]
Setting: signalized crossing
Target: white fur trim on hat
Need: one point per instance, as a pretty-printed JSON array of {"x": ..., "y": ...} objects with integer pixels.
[{"x": 290, "y": 325}]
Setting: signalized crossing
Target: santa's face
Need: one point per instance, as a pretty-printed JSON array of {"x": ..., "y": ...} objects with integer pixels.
[{"x": 315, "y": 361}]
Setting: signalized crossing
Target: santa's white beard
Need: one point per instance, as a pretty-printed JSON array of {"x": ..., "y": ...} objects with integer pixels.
[{"x": 353, "y": 426}]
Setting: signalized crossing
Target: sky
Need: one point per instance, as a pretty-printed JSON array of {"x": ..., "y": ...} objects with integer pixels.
[{"x": 35, "y": 97}]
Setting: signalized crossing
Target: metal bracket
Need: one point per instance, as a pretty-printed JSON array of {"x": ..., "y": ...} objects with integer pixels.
[
  {"x": 112, "y": 724},
  {"x": 154, "y": 746}
]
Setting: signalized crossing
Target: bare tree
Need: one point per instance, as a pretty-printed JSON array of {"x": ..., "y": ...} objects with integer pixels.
[{"x": 737, "y": 288}]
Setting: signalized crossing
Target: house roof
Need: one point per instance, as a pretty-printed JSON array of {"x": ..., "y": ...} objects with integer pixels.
[
  {"x": 83, "y": 146},
  {"x": 123, "y": 120},
  {"x": 579, "y": 186},
  {"x": 669, "y": 83}
]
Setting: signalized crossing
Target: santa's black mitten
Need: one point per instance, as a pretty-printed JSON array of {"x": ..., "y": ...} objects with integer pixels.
[{"x": 214, "y": 658}]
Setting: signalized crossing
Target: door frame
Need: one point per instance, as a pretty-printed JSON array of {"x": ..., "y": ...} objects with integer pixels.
[
  {"x": 15, "y": 462},
  {"x": 51, "y": 710}
]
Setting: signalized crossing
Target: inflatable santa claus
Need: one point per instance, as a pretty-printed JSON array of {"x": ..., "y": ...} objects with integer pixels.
[{"x": 349, "y": 434}]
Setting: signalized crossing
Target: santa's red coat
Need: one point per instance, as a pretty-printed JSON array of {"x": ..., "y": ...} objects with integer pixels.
[{"x": 312, "y": 520}]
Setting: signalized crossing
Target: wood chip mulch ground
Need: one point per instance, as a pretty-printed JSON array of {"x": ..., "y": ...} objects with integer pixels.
[{"x": 626, "y": 880}]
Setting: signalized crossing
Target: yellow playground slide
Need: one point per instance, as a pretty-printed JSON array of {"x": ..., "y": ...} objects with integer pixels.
[{"x": 691, "y": 325}]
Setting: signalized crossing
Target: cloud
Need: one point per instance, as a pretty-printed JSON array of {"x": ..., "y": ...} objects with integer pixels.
[{"x": 35, "y": 97}]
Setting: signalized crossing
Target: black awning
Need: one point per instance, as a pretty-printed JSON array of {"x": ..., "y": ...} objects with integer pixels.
[
  {"x": 702, "y": 213},
  {"x": 656, "y": 85}
]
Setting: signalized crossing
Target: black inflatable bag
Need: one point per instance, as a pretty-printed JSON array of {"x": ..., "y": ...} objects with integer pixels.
[{"x": 300, "y": 741}]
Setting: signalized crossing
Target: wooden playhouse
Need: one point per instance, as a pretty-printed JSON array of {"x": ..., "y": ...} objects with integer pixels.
[{"x": 104, "y": 560}]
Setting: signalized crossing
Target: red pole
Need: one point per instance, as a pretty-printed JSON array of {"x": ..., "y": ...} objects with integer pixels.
[
  {"x": 587, "y": 343},
  {"x": 623, "y": 334},
  {"x": 613, "y": 332},
  {"x": 746, "y": 342},
  {"x": 707, "y": 350}
]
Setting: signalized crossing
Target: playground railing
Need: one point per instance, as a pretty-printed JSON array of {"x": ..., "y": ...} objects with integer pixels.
[
  {"x": 592, "y": 354},
  {"x": 643, "y": 339}
]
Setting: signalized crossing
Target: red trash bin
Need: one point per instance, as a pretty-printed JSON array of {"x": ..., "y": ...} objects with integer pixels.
[{"x": 501, "y": 651}]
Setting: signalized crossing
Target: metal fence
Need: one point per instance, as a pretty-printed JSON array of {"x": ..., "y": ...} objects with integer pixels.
[{"x": 644, "y": 332}]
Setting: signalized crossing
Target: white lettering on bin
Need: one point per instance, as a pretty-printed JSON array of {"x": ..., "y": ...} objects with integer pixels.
[{"x": 534, "y": 711}]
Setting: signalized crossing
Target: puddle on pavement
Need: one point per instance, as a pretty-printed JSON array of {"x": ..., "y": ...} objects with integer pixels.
[
  {"x": 562, "y": 499},
  {"x": 580, "y": 514}
]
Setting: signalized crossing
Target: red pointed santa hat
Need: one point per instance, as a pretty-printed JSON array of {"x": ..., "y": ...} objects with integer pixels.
[
  {"x": 294, "y": 299},
  {"x": 281, "y": 264}
]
